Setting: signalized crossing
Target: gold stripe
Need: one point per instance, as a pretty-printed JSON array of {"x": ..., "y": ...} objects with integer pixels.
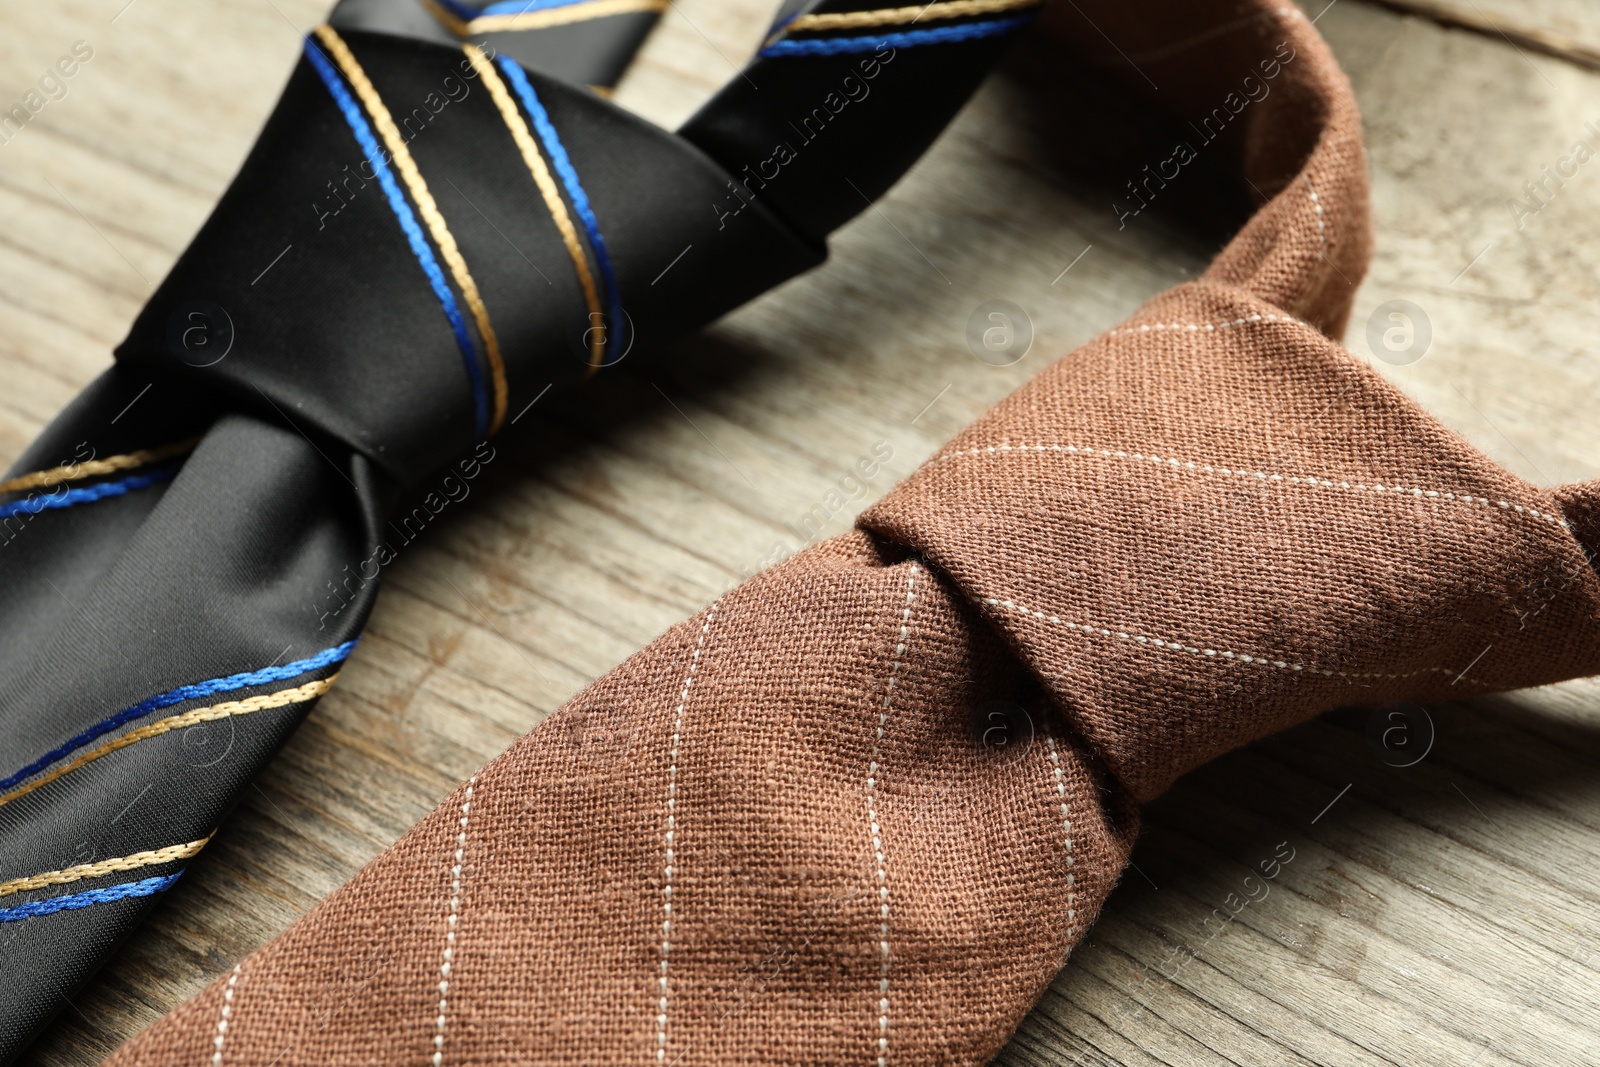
[
  {"x": 452, "y": 22},
  {"x": 950, "y": 9},
  {"x": 539, "y": 20},
  {"x": 71, "y": 472},
  {"x": 282, "y": 698},
  {"x": 111, "y": 866},
  {"x": 426, "y": 207},
  {"x": 561, "y": 16},
  {"x": 547, "y": 189}
]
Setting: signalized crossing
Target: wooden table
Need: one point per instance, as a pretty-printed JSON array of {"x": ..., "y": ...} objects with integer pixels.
[{"x": 1442, "y": 913}]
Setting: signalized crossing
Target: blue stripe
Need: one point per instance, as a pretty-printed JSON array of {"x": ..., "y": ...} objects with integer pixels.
[
  {"x": 459, "y": 10},
  {"x": 833, "y": 46},
  {"x": 467, "y": 12},
  {"x": 34, "y": 504},
  {"x": 322, "y": 659},
  {"x": 408, "y": 222},
  {"x": 517, "y": 7},
  {"x": 145, "y": 887},
  {"x": 569, "y": 178}
]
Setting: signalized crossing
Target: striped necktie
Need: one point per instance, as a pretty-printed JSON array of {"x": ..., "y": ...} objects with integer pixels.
[
  {"x": 427, "y": 236},
  {"x": 875, "y": 796}
]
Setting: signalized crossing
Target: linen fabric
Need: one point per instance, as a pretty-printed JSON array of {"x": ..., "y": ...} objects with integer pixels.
[
  {"x": 800, "y": 841},
  {"x": 426, "y": 238}
]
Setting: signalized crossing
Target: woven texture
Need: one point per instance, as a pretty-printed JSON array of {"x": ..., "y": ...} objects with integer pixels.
[{"x": 784, "y": 833}]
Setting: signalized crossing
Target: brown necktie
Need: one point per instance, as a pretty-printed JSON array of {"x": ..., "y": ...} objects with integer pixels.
[{"x": 801, "y": 840}]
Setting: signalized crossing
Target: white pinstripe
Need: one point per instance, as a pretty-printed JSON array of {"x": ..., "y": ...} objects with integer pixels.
[
  {"x": 670, "y": 838},
  {"x": 447, "y": 957},
  {"x": 1209, "y": 327},
  {"x": 1375, "y": 488},
  {"x": 226, "y": 1015},
  {"x": 873, "y": 769},
  {"x": 1092, "y": 629},
  {"x": 1316, "y": 202},
  {"x": 1060, "y": 782}
]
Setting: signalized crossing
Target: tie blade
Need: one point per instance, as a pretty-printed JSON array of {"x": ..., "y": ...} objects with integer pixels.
[
  {"x": 823, "y": 851},
  {"x": 81, "y": 495},
  {"x": 194, "y": 651}
]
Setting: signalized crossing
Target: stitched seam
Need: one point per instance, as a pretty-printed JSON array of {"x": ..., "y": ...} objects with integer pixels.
[
  {"x": 447, "y": 956},
  {"x": 225, "y": 1015},
  {"x": 1211, "y": 653},
  {"x": 133, "y": 862},
  {"x": 1376, "y": 489},
  {"x": 88, "y": 898},
  {"x": 873, "y": 769},
  {"x": 71, "y": 472},
  {"x": 670, "y": 838},
  {"x": 1066, "y": 833},
  {"x": 282, "y": 698}
]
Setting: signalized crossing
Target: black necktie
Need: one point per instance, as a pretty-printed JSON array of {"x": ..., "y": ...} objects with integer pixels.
[{"x": 426, "y": 238}]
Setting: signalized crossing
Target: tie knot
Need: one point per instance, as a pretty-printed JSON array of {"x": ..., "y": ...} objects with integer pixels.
[{"x": 425, "y": 239}]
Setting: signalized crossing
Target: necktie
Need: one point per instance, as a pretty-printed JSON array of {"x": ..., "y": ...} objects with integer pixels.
[
  {"x": 1205, "y": 525},
  {"x": 426, "y": 237}
]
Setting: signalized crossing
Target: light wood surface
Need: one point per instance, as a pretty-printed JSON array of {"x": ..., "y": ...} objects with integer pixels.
[
  {"x": 1563, "y": 28},
  {"x": 1443, "y": 913}
]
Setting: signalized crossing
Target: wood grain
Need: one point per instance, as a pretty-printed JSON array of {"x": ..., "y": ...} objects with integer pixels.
[
  {"x": 1443, "y": 913},
  {"x": 1566, "y": 29}
]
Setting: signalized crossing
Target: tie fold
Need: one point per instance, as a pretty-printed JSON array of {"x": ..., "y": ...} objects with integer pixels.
[{"x": 1213, "y": 522}]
